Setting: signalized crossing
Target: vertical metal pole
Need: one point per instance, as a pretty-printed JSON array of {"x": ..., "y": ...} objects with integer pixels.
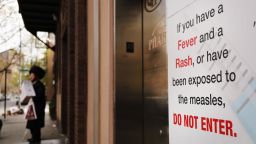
[
  {"x": 5, "y": 92},
  {"x": 20, "y": 57},
  {"x": 21, "y": 71}
]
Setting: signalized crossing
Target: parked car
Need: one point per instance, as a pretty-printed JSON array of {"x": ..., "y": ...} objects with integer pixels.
[{"x": 2, "y": 98}]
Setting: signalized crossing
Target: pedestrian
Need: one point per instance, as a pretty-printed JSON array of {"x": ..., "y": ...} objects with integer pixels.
[{"x": 36, "y": 74}]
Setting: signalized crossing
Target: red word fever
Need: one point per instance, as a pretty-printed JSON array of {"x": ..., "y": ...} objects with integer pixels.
[{"x": 182, "y": 44}]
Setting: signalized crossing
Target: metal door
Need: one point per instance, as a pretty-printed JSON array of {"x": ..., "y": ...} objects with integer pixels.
[{"x": 141, "y": 73}]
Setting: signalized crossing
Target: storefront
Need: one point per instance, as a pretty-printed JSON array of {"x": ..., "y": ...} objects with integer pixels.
[{"x": 156, "y": 71}]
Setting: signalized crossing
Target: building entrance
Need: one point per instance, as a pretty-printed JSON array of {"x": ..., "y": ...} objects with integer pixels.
[{"x": 141, "y": 110}]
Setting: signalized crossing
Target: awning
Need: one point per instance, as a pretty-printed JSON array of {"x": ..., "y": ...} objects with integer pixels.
[{"x": 39, "y": 15}]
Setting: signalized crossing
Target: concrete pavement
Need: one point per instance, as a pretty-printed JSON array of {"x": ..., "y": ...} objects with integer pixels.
[{"x": 14, "y": 131}]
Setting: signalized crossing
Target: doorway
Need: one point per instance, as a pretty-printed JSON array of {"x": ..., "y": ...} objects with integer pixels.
[{"x": 141, "y": 115}]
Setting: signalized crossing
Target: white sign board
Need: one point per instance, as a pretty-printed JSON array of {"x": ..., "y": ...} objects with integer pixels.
[
  {"x": 27, "y": 91},
  {"x": 211, "y": 71}
]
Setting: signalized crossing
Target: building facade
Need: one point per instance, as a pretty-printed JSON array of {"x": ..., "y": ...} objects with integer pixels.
[
  {"x": 84, "y": 68},
  {"x": 112, "y": 58},
  {"x": 110, "y": 68}
]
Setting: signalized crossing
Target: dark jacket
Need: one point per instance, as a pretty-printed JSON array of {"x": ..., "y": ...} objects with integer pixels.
[{"x": 40, "y": 102}]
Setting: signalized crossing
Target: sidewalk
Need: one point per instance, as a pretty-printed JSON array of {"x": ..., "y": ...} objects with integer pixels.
[{"x": 14, "y": 131}]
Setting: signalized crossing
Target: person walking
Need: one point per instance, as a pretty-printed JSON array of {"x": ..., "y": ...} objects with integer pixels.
[{"x": 36, "y": 74}]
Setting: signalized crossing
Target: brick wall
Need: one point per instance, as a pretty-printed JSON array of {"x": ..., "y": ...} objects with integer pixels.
[
  {"x": 72, "y": 70},
  {"x": 81, "y": 71}
]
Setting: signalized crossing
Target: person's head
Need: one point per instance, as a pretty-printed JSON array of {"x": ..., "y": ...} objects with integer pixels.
[{"x": 36, "y": 73}]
